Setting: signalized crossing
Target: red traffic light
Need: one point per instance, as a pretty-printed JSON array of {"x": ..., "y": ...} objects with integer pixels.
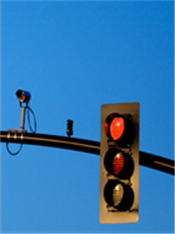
[
  {"x": 120, "y": 129},
  {"x": 117, "y": 127},
  {"x": 119, "y": 163}
]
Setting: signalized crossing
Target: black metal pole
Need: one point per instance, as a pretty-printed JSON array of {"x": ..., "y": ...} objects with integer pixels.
[{"x": 93, "y": 147}]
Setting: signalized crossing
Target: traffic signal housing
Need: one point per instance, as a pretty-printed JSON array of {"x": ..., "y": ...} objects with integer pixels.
[{"x": 119, "y": 163}]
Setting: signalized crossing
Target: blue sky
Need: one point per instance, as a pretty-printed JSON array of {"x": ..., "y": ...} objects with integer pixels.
[{"x": 73, "y": 57}]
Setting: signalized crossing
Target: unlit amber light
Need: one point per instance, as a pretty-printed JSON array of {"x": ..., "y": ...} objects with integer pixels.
[{"x": 118, "y": 163}]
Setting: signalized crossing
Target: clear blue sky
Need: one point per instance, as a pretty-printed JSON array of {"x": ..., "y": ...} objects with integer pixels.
[{"x": 73, "y": 57}]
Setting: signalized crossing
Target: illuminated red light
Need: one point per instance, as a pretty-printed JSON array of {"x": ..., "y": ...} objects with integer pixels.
[
  {"x": 117, "y": 127},
  {"x": 118, "y": 163}
]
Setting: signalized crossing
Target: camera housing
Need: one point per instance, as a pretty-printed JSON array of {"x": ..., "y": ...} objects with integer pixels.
[{"x": 23, "y": 96}]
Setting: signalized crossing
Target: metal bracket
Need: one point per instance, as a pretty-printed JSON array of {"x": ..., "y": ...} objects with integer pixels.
[{"x": 14, "y": 131}]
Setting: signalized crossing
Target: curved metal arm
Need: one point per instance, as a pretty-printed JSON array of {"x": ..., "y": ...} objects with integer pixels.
[{"x": 93, "y": 147}]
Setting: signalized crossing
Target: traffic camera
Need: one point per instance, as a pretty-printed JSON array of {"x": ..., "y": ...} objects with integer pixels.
[{"x": 23, "y": 96}]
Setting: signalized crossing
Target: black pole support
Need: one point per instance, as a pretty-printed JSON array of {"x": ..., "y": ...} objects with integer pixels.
[{"x": 93, "y": 147}]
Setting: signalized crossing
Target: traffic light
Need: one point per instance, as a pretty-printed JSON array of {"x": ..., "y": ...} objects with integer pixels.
[
  {"x": 69, "y": 127},
  {"x": 119, "y": 163}
]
